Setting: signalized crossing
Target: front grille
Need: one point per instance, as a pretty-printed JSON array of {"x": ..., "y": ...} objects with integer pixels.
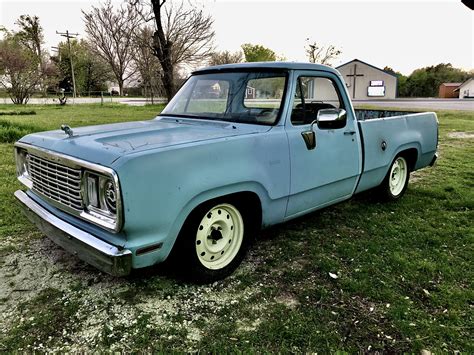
[{"x": 58, "y": 182}]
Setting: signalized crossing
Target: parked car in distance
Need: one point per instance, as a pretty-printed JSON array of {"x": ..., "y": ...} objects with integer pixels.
[{"x": 273, "y": 141}]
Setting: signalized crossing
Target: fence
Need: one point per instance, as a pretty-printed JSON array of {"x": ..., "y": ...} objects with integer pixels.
[{"x": 102, "y": 97}]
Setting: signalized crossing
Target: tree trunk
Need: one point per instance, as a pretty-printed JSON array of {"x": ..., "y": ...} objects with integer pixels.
[
  {"x": 168, "y": 83},
  {"x": 120, "y": 83},
  {"x": 163, "y": 51}
]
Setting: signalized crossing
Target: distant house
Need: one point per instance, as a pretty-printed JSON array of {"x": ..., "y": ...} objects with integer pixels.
[
  {"x": 466, "y": 89},
  {"x": 367, "y": 82},
  {"x": 447, "y": 90}
]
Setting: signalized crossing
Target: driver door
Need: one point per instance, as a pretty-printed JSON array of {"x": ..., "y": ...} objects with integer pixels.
[{"x": 329, "y": 172}]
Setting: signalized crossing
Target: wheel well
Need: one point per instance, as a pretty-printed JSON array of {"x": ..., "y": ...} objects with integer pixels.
[{"x": 411, "y": 155}]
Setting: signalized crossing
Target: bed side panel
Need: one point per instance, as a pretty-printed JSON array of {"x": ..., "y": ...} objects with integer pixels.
[{"x": 384, "y": 138}]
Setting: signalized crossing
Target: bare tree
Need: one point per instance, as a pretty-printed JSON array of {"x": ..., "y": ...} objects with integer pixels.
[
  {"x": 320, "y": 54},
  {"x": 111, "y": 32},
  {"x": 225, "y": 57},
  {"x": 183, "y": 35},
  {"x": 147, "y": 63}
]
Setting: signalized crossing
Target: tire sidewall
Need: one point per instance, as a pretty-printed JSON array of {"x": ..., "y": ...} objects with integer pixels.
[
  {"x": 184, "y": 253},
  {"x": 386, "y": 191}
]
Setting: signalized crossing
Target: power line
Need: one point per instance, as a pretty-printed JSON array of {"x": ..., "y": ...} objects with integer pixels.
[{"x": 68, "y": 37}]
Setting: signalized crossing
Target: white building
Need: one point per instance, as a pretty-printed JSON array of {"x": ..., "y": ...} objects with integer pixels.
[
  {"x": 367, "y": 82},
  {"x": 466, "y": 89}
]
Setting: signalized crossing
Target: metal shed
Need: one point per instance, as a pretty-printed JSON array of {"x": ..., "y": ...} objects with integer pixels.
[{"x": 367, "y": 82}]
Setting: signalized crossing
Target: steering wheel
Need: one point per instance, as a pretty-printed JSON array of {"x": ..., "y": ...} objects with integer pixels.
[{"x": 267, "y": 112}]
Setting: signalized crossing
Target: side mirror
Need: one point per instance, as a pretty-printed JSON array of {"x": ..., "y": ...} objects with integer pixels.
[{"x": 330, "y": 118}]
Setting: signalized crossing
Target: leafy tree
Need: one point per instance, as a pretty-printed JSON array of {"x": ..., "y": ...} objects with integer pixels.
[
  {"x": 258, "y": 53},
  {"x": 19, "y": 71},
  {"x": 91, "y": 71},
  {"x": 225, "y": 57},
  {"x": 31, "y": 34},
  {"x": 401, "y": 82},
  {"x": 317, "y": 53},
  {"x": 23, "y": 66},
  {"x": 182, "y": 35},
  {"x": 402, "y": 85},
  {"x": 425, "y": 82}
]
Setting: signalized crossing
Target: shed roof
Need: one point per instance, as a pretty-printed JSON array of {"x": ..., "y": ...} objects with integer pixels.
[
  {"x": 462, "y": 84},
  {"x": 370, "y": 65},
  {"x": 451, "y": 84}
]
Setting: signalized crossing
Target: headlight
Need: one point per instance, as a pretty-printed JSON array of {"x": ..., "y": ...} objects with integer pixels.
[
  {"x": 101, "y": 194},
  {"x": 101, "y": 198},
  {"x": 22, "y": 168},
  {"x": 110, "y": 196}
]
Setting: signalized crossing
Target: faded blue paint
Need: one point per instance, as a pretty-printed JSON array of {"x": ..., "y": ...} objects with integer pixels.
[{"x": 168, "y": 166}]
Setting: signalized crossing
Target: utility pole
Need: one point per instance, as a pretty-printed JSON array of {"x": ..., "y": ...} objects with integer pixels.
[{"x": 68, "y": 37}]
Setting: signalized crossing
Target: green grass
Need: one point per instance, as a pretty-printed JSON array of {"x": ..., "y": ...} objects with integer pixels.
[
  {"x": 49, "y": 117},
  {"x": 405, "y": 274}
]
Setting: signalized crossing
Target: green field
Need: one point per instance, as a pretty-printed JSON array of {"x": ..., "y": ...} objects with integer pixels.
[{"x": 404, "y": 270}]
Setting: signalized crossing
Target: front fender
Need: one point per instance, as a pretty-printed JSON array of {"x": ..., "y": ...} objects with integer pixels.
[{"x": 162, "y": 187}]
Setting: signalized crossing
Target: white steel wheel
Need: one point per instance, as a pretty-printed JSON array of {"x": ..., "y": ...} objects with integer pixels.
[
  {"x": 219, "y": 236},
  {"x": 398, "y": 176}
]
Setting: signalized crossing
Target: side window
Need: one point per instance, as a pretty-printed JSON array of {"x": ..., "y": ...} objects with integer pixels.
[{"x": 313, "y": 94}]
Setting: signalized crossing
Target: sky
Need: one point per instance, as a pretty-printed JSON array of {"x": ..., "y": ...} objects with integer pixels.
[{"x": 404, "y": 35}]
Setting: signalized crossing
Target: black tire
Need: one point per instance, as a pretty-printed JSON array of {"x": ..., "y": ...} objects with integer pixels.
[
  {"x": 392, "y": 189},
  {"x": 185, "y": 259}
]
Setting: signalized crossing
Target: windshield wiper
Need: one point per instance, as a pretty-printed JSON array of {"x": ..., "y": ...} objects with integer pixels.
[{"x": 199, "y": 117}]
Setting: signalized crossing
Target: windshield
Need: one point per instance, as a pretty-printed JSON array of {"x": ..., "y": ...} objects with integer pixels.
[{"x": 245, "y": 97}]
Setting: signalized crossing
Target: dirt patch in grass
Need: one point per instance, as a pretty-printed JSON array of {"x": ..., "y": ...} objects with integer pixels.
[
  {"x": 461, "y": 135},
  {"x": 288, "y": 300},
  {"x": 103, "y": 312}
]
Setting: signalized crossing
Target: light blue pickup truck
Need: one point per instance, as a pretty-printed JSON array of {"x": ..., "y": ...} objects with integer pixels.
[{"x": 239, "y": 148}]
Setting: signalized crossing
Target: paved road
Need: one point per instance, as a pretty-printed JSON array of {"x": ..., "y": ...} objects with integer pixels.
[
  {"x": 90, "y": 100},
  {"x": 418, "y": 104},
  {"x": 422, "y": 104}
]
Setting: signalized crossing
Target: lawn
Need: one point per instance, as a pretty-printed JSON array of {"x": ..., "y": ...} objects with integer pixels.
[{"x": 402, "y": 274}]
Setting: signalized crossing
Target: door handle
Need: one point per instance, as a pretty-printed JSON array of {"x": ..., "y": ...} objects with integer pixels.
[{"x": 349, "y": 133}]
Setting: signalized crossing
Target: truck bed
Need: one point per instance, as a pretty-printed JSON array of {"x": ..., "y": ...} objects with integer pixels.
[
  {"x": 385, "y": 134},
  {"x": 362, "y": 114}
]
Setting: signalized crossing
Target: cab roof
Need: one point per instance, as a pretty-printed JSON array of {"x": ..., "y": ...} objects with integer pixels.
[{"x": 267, "y": 65}]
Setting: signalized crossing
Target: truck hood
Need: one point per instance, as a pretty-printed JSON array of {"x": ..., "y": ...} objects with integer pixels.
[{"x": 104, "y": 144}]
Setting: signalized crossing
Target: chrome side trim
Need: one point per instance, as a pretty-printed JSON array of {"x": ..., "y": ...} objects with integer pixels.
[
  {"x": 87, "y": 247},
  {"x": 75, "y": 163}
]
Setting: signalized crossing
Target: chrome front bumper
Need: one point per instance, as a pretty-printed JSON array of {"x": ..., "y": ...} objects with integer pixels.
[{"x": 94, "y": 251}]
